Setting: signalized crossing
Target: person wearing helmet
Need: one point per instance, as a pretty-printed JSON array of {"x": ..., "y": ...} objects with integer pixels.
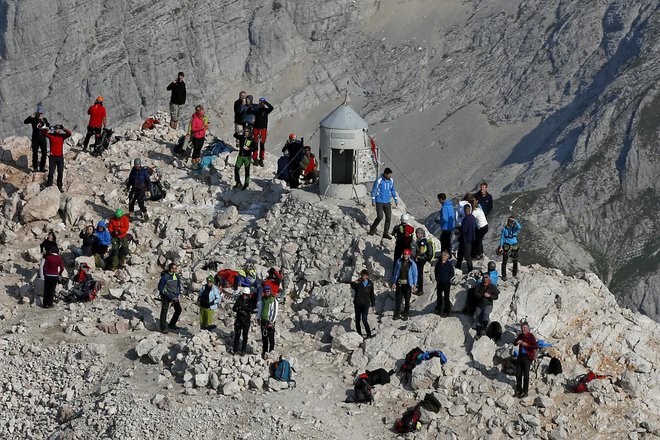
[
  {"x": 243, "y": 307},
  {"x": 403, "y": 237},
  {"x": 294, "y": 149},
  {"x": 444, "y": 272},
  {"x": 137, "y": 185},
  {"x": 118, "y": 229},
  {"x": 260, "y": 131},
  {"x": 267, "y": 312},
  {"x": 467, "y": 235},
  {"x": 169, "y": 288},
  {"x": 97, "y": 120},
  {"x": 423, "y": 252},
  {"x": 404, "y": 281},
  {"x": 382, "y": 194},
  {"x": 208, "y": 300},
  {"x": 509, "y": 245}
]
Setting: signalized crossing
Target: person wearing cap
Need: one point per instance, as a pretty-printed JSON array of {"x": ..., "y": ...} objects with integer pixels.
[
  {"x": 294, "y": 148},
  {"x": 308, "y": 166},
  {"x": 444, "y": 272},
  {"x": 404, "y": 280},
  {"x": 509, "y": 245},
  {"x": 118, "y": 229},
  {"x": 177, "y": 98},
  {"x": 447, "y": 220},
  {"x": 239, "y": 110},
  {"x": 484, "y": 294},
  {"x": 467, "y": 234},
  {"x": 38, "y": 122},
  {"x": 56, "y": 136},
  {"x": 169, "y": 288},
  {"x": 98, "y": 119},
  {"x": 403, "y": 237},
  {"x": 246, "y": 147},
  {"x": 243, "y": 307},
  {"x": 260, "y": 130},
  {"x": 208, "y": 300},
  {"x": 52, "y": 267},
  {"x": 527, "y": 346},
  {"x": 267, "y": 313},
  {"x": 382, "y": 194},
  {"x": 197, "y": 127},
  {"x": 137, "y": 185},
  {"x": 363, "y": 299}
]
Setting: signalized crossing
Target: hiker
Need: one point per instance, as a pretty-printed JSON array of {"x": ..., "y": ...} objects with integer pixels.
[
  {"x": 484, "y": 199},
  {"x": 424, "y": 252},
  {"x": 239, "y": 110},
  {"x": 199, "y": 123},
  {"x": 169, "y": 287},
  {"x": 482, "y": 229},
  {"x": 274, "y": 280},
  {"x": 260, "y": 131},
  {"x": 492, "y": 271},
  {"x": 52, "y": 267},
  {"x": 485, "y": 293},
  {"x": 509, "y": 245},
  {"x": 404, "y": 280},
  {"x": 460, "y": 211},
  {"x": 177, "y": 99},
  {"x": 243, "y": 307},
  {"x": 294, "y": 148},
  {"x": 447, "y": 220},
  {"x": 89, "y": 241},
  {"x": 138, "y": 184},
  {"x": 403, "y": 237},
  {"x": 38, "y": 122},
  {"x": 102, "y": 243},
  {"x": 308, "y": 167},
  {"x": 527, "y": 346},
  {"x": 267, "y": 312},
  {"x": 118, "y": 229},
  {"x": 56, "y": 136},
  {"x": 246, "y": 146},
  {"x": 249, "y": 114},
  {"x": 49, "y": 242},
  {"x": 97, "y": 120},
  {"x": 363, "y": 299},
  {"x": 444, "y": 272},
  {"x": 467, "y": 234},
  {"x": 382, "y": 193},
  {"x": 208, "y": 300}
]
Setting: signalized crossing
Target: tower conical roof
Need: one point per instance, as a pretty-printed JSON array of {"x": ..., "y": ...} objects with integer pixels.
[{"x": 344, "y": 118}]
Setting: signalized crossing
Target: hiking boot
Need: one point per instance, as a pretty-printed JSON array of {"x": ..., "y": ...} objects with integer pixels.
[
  {"x": 522, "y": 395},
  {"x": 405, "y": 317},
  {"x": 145, "y": 216},
  {"x": 396, "y": 317},
  {"x": 211, "y": 327},
  {"x": 174, "y": 328},
  {"x": 238, "y": 185},
  {"x": 371, "y": 232},
  {"x": 387, "y": 237},
  {"x": 164, "y": 331},
  {"x": 245, "y": 186},
  {"x": 261, "y": 162},
  {"x": 503, "y": 277},
  {"x": 516, "y": 394},
  {"x": 264, "y": 356}
]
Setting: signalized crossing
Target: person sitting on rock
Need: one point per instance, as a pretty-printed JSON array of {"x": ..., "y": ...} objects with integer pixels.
[
  {"x": 49, "y": 242},
  {"x": 527, "y": 346},
  {"x": 102, "y": 243},
  {"x": 246, "y": 147},
  {"x": 308, "y": 166},
  {"x": 424, "y": 252},
  {"x": 403, "y": 234},
  {"x": 51, "y": 271},
  {"x": 485, "y": 293},
  {"x": 243, "y": 308},
  {"x": 118, "y": 229},
  {"x": 89, "y": 241},
  {"x": 169, "y": 288},
  {"x": 492, "y": 271},
  {"x": 509, "y": 245},
  {"x": 404, "y": 280},
  {"x": 56, "y": 136},
  {"x": 208, "y": 300},
  {"x": 467, "y": 235},
  {"x": 444, "y": 272},
  {"x": 363, "y": 299},
  {"x": 267, "y": 313},
  {"x": 274, "y": 280},
  {"x": 138, "y": 184}
]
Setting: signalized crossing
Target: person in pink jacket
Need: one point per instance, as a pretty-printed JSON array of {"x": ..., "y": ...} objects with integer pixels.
[{"x": 199, "y": 123}]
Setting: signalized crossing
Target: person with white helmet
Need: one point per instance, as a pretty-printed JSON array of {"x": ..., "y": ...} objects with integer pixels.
[
  {"x": 243, "y": 308},
  {"x": 267, "y": 312},
  {"x": 404, "y": 280},
  {"x": 403, "y": 237},
  {"x": 208, "y": 300}
]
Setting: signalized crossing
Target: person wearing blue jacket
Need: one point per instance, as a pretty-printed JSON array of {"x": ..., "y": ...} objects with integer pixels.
[
  {"x": 382, "y": 194},
  {"x": 509, "y": 245},
  {"x": 447, "y": 221},
  {"x": 468, "y": 233},
  {"x": 102, "y": 243},
  {"x": 404, "y": 280},
  {"x": 138, "y": 184},
  {"x": 169, "y": 288}
]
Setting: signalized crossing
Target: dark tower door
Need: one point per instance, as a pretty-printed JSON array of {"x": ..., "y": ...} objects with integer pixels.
[{"x": 342, "y": 166}]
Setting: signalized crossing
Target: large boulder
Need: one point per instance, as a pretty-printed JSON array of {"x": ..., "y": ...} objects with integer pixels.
[
  {"x": 483, "y": 352},
  {"x": 225, "y": 217},
  {"x": 43, "y": 206},
  {"x": 425, "y": 374},
  {"x": 15, "y": 150},
  {"x": 347, "y": 342},
  {"x": 74, "y": 209}
]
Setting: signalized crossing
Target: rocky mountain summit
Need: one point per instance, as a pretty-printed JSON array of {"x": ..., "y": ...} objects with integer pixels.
[{"x": 99, "y": 369}]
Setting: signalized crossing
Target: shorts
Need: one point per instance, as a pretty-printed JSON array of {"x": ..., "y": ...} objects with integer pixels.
[
  {"x": 197, "y": 144},
  {"x": 238, "y": 129},
  {"x": 260, "y": 133},
  {"x": 175, "y": 111}
]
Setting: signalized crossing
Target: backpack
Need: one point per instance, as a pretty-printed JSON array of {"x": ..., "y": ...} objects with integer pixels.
[
  {"x": 282, "y": 371},
  {"x": 409, "y": 422},
  {"x": 157, "y": 191},
  {"x": 411, "y": 362},
  {"x": 106, "y": 136},
  {"x": 581, "y": 382},
  {"x": 362, "y": 390},
  {"x": 379, "y": 376},
  {"x": 494, "y": 331},
  {"x": 226, "y": 278},
  {"x": 83, "y": 273},
  {"x": 555, "y": 366},
  {"x": 282, "y": 168}
]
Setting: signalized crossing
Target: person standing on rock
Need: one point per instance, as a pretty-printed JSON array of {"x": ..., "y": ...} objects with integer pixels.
[
  {"x": 98, "y": 119},
  {"x": 177, "y": 99},
  {"x": 199, "y": 123},
  {"x": 404, "y": 280},
  {"x": 294, "y": 148},
  {"x": 56, "y": 137},
  {"x": 467, "y": 234},
  {"x": 118, "y": 229},
  {"x": 444, "y": 272},
  {"x": 137, "y": 184},
  {"x": 485, "y": 293},
  {"x": 382, "y": 194},
  {"x": 52, "y": 269},
  {"x": 208, "y": 300},
  {"x": 363, "y": 299},
  {"x": 480, "y": 233},
  {"x": 243, "y": 307},
  {"x": 239, "y": 111},
  {"x": 267, "y": 313},
  {"x": 527, "y": 346},
  {"x": 246, "y": 147},
  {"x": 424, "y": 253},
  {"x": 260, "y": 131},
  {"x": 38, "y": 122},
  {"x": 169, "y": 288},
  {"x": 447, "y": 220},
  {"x": 509, "y": 245},
  {"x": 484, "y": 198},
  {"x": 403, "y": 237}
]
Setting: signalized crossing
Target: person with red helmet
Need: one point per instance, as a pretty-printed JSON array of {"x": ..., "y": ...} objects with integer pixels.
[
  {"x": 97, "y": 120},
  {"x": 404, "y": 280}
]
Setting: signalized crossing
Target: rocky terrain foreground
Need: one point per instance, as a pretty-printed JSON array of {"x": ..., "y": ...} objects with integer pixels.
[{"x": 99, "y": 369}]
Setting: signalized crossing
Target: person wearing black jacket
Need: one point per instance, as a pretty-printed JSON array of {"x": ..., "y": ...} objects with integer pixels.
[
  {"x": 260, "y": 131},
  {"x": 177, "y": 99},
  {"x": 240, "y": 107},
  {"x": 485, "y": 293},
  {"x": 467, "y": 234},
  {"x": 444, "y": 272},
  {"x": 243, "y": 308},
  {"x": 294, "y": 148},
  {"x": 38, "y": 122},
  {"x": 484, "y": 198},
  {"x": 363, "y": 299},
  {"x": 89, "y": 242},
  {"x": 246, "y": 147}
]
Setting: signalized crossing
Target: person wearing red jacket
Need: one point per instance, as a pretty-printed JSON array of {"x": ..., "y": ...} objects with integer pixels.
[
  {"x": 97, "y": 120},
  {"x": 56, "y": 137},
  {"x": 118, "y": 229},
  {"x": 199, "y": 123},
  {"x": 308, "y": 166},
  {"x": 51, "y": 270},
  {"x": 527, "y": 347}
]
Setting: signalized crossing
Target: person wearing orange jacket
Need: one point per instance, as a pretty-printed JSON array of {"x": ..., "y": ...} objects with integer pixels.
[{"x": 118, "y": 229}]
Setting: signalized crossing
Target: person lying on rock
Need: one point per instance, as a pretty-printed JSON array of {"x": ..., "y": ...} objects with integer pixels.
[
  {"x": 363, "y": 299},
  {"x": 485, "y": 293},
  {"x": 169, "y": 288},
  {"x": 404, "y": 280},
  {"x": 118, "y": 229},
  {"x": 208, "y": 300},
  {"x": 243, "y": 307},
  {"x": 267, "y": 312}
]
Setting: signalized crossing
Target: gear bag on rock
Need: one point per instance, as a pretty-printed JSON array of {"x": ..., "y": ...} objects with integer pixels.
[
  {"x": 409, "y": 422},
  {"x": 555, "y": 366},
  {"x": 362, "y": 390},
  {"x": 281, "y": 370}
]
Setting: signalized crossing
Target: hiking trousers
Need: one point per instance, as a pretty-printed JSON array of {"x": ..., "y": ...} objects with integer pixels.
[
  {"x": 119, "y": 251},
  {"x": 205, "y": 317},
  {"x": 443, "y": 304},
  {"x": 478, "y": 244},
  {"x": 39, "y": 146},
  {"x": 50, "y": 283},
  {"x": 464, "y": 251},
  {"x": 481, "y": 317},
  {"x": 505, "y": 259},
  {"x": 267, "y": 336},
  {"x": 445, "y": 241},
  {"x": 164, "y": 307},
  {"x": 55, "y": 162},
  {"x": 382, "y": 210},
  {"x": 361, "y": 314},
  {"x": 139, "y": 196},
  {"x": 242, "y": 327},
  {"x": 92, "y": 131},
  {"x": 420, "y": 276},
  {"x": 403, "y": 292},
  {"x": 522, "y": 373},
  {"x": 240, "y": 162}
]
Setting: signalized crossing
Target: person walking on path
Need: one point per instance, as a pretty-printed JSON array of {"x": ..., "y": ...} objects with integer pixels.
[
  {"x": 382, "y": 194},
  {"x": 509, "y": 245},
  {"x": 177, "y": 99},
  {"x": 56, "y": 137},
  {"x": 447, "y": 221},
  {"x": 267, "y": 313},
  {"x": 98, "y": 119},
  {"x": 404, "y": 280},
  {"x": 243, "y": 307},
  {"x": 38, "y": 122},
  {"x": 208, "y": 300},
  {"x": 199, "y": 123},
  {"x": 138, "y": 184},
  {"x": 527, "y": 346},
  {"x": 484, "y": 198},
  {"x": 444, "y": 272},
  {"x": 260, "y": 130},
  {"x": 51, "y": 270},
  {"x": 363, "y": 299},
  {"x": 467, "y": 234},
  {"x": 169, "y": 288}
]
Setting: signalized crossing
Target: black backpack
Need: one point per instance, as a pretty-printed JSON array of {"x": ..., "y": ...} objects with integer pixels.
[
  {"x": 411, "y": 359},
  {"x": 157, "y": 191},
  {"x": 362, "y": 391},
  {"x": 494, "y": 331},
  {"x": 379, "y": 376},
  {"x": 555, "y": 366},
  {"x": 408, "y": 423}
]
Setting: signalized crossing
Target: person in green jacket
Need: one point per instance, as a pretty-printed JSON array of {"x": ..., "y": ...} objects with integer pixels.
[{"x": 267, "y": 312}]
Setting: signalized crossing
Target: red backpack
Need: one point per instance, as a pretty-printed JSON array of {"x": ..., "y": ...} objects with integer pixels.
[
  {"x": 83, "y": 273},
  {"x": 409, "y": 421},
  {"x": 583, "y": 380},
  {"x": 226, "y": 277}
]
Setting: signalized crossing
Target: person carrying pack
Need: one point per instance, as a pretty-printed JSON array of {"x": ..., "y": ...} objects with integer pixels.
[
  {"x": 208, "y": 300},
  {"x": 403, "y": 236},
  {"x": 409, "y": 422},
  {"x": 424, "y": 252},
  {"x": 282, "y": 370},
  {"x": 509, "y": 245}
]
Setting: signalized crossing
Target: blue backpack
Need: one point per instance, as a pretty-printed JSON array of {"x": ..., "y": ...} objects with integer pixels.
[{"x": 282, "y": 371}]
